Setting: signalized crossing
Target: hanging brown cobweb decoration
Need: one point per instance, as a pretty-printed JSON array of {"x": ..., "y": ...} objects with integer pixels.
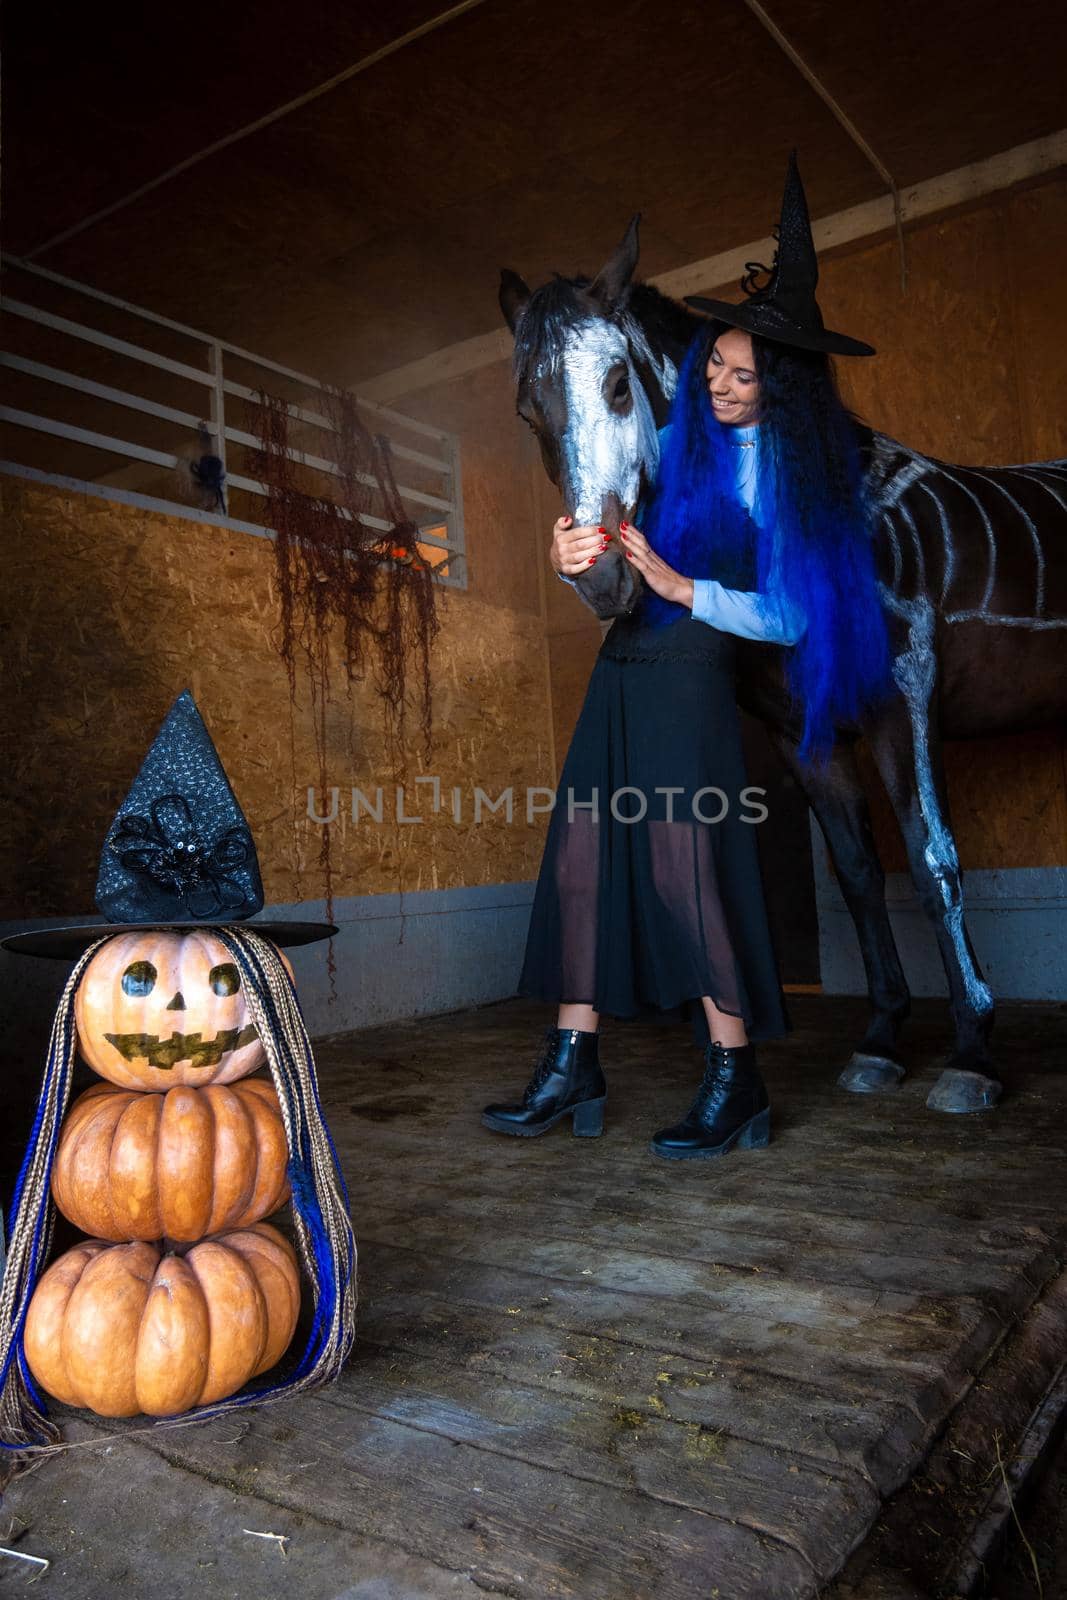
[{"x": 339, "y": 578}]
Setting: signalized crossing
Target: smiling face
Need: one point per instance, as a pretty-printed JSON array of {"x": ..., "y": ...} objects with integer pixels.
[
  {"x": 733, "y": 387},
  {"x": 159, "y": 1007}
]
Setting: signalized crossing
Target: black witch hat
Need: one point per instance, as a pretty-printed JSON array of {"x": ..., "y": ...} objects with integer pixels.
[
  {"x": 178, "y": 855},
  {"x": 787, "y": 310}
]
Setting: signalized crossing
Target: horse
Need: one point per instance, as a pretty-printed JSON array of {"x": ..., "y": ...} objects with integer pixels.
[{"x": 972, "y": 569}]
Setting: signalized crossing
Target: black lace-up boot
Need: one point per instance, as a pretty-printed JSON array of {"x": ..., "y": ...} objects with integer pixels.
[
  {"x": 731, "y": 1109},
  {"x": 567, "y": 1082}
]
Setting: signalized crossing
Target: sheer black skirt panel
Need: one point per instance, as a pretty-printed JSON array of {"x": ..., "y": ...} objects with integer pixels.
[{"x": 650, "y": 893}]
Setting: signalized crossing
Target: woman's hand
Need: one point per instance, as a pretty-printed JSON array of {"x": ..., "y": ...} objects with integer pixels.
[
  {"x": 657, "y": 574},
  {"x": 575, "y": 549}
]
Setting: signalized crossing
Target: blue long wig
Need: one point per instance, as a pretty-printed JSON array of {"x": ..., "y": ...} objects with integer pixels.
[{"x": 809, "y": 542}]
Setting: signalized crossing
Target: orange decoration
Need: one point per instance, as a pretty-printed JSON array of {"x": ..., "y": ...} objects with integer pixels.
[
  {"x": 159, "y": 1007},
  {"x": 180, "y": 1165},
  {"x": 123, "y": 1328}
]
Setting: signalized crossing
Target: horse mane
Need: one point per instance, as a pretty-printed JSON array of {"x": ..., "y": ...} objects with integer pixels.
[
  {"x": 554, "y": 308},
  {"x": 666, "y": 320},
  {"x": 551, "y": 310}
]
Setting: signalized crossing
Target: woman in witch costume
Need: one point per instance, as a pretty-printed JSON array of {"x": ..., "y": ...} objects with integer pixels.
[{"x": 649, "y": 898}]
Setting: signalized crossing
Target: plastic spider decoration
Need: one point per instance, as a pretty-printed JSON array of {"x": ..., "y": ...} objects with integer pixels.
[{"x": 209, "y": 474}]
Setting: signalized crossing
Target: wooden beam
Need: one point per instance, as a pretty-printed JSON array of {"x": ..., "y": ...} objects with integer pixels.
[
  {"x": 959, "y": 187},
  {"x": 455, "y": 361}
]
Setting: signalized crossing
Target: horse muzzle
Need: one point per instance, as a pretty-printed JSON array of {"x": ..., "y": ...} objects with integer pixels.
[{"x": 610, "y": 588}]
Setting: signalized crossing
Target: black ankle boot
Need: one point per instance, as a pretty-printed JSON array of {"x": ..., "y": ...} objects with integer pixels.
[
  {"x": 567, "y": 1081},
  {"x": 731, "y": 1108}
]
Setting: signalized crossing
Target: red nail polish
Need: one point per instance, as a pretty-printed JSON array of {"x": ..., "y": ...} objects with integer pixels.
[
  {"x": 602, "y": 530},
  {"x": 592, "y": 561},
  {"x": 624, "y": 524}
]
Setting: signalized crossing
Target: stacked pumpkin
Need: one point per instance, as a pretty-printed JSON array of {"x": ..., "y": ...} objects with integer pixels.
[{"x": 184, "y": 1293}]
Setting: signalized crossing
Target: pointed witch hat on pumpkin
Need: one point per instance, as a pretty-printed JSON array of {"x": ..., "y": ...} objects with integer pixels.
[
  {"x": 179, "y": 854},
  {"x": 786, "y": 310}
]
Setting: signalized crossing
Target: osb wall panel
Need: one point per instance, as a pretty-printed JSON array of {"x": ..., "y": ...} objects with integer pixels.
[
  {"x": 509, "y": 509},
  {"x": 971, "y": 367},
  {"x": 111, "y": 612},
  {"x": 1036, "y": 222},
  {"x": 496, "y": 455},
  {"x": 944, "y": 379},
  {"x": 572, "y": 657}
]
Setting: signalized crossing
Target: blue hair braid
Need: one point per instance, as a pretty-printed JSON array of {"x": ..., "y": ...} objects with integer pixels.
[{"x": 819, "y": 552}]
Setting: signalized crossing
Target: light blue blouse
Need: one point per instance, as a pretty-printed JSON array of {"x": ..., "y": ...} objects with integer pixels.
[{"x": 740, "y": 611}]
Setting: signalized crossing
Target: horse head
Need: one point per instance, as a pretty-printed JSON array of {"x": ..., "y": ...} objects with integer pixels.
[{"x": 594, "y": 381}]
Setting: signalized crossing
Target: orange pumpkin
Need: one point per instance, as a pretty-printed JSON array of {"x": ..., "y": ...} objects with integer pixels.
[
  {"x": 178, "y": 1165},
  {"x": 157, "y": 1007},
  {"x": 121, "y": 1329}
]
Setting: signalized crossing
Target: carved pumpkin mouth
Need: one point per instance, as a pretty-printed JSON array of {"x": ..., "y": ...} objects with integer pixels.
[{"x": 191, "y": 1047}]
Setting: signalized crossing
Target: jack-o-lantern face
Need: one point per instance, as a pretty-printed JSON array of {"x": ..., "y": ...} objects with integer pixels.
[{"x": 159, "y": 1007}]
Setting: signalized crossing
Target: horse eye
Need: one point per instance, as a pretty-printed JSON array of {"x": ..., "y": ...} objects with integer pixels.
[
  {"x": 616, "y": 387},
  {"x": 224, "y": 979},
  {"x": 139, "y": 979}
]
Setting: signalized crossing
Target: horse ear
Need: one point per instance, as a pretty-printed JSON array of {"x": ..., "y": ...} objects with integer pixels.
[
  {"x": 613, "y": 279},
  {"x": 514, "y": 297}
]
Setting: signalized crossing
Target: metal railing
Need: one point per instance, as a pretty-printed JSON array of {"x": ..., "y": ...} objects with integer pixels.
[{"x": 200, "y": 368}]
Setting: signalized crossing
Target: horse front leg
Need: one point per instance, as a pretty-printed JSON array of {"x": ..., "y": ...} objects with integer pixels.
[
  {"x": 906, "y": 744},
  {"x": 836, "y": 796}
]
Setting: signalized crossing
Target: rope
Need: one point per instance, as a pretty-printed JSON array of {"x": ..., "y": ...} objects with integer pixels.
[
  {"x": 320, "y": 1200},
  {"x": 846, "y": 122}
]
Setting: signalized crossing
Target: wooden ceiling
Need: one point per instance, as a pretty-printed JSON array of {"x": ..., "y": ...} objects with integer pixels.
[{"x": 367, "y": 229}]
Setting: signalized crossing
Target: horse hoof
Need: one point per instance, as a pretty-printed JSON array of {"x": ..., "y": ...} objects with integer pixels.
[
  {"x": 870, "y": 1074},
  {"x": 959, "y": 1091}
]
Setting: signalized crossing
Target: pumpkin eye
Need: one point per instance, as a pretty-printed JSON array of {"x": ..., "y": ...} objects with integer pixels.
[
  {"x": 139, "y": 978},
  {"x": 224, "y": 979}
]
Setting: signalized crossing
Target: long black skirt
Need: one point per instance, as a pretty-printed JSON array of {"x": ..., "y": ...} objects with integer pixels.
[{"x": 650, "y": 893}]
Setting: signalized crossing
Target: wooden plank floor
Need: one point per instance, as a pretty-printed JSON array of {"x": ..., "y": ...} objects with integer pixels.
[{"x": 584, "y": 1373}]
